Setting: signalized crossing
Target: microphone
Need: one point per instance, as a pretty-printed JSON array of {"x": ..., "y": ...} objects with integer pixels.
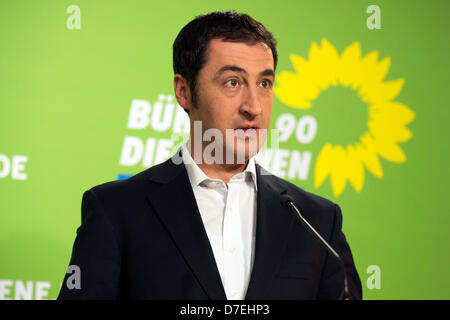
[{"x": 288, "y": 202}]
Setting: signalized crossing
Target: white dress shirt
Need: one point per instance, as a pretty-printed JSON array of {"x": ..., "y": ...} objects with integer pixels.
[{"x": 229, "y": 217}]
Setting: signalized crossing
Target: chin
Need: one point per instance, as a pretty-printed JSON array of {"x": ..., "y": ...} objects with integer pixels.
[{"x": 243, "y": 150}]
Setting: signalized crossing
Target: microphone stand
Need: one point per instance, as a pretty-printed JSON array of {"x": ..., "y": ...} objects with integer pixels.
[{"x": 287, "y": 201}]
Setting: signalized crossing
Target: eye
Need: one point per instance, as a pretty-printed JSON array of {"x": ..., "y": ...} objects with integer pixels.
[
  {"x": 265, "y": 83},
  {"x": 232, "y": 83}
]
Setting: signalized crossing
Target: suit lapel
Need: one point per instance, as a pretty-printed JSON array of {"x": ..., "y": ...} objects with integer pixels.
[
  {"x": 273, "y": 223},
  {"x": 175, "y": 204}
]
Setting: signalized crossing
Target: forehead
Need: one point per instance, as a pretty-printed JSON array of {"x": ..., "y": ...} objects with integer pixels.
[{"x": 251, "y": 57}]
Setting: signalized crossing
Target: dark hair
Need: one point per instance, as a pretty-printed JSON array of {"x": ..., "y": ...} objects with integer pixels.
[{"x": 190, "y": 46}]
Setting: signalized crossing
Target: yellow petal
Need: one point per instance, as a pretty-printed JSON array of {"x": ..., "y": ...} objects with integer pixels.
[
  {"x": 321, "y": 69},
  {"x": 392, "y": 113},
  {"x": 338, "y": 174},
  {"x": 368, "y": 67},
  {"x": 369, "y": 61},
  {"x": 294, "y": 90},
  {"x": 389, "y": 150},
  {"x": 300, "y": 64},
  {"x": 370, "y": 72},
  {"x": 382, "y": 92},
  {"x": 330, "y": 60},
  {"x": 355, "y": 169},
  {"x": 385, "y": 130},
  {"x": 368, "y": 155},
  {"x": 323, "y": 165},
  {"x": 379, "y": 73},
  {"x": 349, "y": 66}
]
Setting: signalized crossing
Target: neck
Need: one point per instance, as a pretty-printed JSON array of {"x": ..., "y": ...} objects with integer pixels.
[{"x": 223, "y": 171}]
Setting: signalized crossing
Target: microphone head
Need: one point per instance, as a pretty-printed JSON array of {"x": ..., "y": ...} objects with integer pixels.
[{"x": 286, "y": 200}]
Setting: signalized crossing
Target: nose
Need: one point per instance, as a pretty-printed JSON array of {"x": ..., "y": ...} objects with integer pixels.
[{"x": 251, "y": 106}]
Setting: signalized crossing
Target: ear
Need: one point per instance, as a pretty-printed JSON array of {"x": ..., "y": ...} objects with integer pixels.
[{"x": 182, "y": 92}]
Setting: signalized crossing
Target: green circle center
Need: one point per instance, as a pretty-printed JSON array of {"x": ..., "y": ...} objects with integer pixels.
[{"x": 341, "y": 115}]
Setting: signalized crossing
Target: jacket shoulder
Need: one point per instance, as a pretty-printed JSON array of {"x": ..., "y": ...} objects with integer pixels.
[
  {"x": 121, "y": 187},
  {"x": 133, "y": 185}
]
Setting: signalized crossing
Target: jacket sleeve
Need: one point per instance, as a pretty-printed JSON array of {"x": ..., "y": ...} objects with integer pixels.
[
  {"x": 94, "y": 269},
  {"x": 332, "y": 280}
]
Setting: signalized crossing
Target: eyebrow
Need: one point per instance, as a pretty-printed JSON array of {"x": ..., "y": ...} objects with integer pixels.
[{"x": 266, "y": 72}]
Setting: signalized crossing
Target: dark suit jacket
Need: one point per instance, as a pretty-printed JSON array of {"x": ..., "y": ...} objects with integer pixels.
[{"x": 143, "y": 238}]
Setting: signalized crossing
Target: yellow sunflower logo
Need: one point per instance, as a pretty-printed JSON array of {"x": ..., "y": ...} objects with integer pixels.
[{"x": 386, "y": 125}]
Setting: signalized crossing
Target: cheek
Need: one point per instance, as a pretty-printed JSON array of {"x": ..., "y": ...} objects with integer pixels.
[
  {"x": 218, "y": 116},
  {"x": 268, "y": 112},
  {"x": 267, "y": 121},
  {"x": 223, "y": 111}
]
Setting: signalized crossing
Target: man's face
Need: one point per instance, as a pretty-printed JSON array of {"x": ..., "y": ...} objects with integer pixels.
[{"x": 235, "y": 92}]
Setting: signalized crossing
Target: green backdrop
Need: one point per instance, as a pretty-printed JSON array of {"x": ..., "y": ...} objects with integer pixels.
[{"x": 361, "y": 101}]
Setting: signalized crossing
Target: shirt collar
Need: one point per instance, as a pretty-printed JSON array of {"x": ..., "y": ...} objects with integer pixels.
[{"x": 197, "y": 176}]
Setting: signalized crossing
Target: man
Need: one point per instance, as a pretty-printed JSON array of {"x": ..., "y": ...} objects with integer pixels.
[{"x": 204, "y": 225}]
